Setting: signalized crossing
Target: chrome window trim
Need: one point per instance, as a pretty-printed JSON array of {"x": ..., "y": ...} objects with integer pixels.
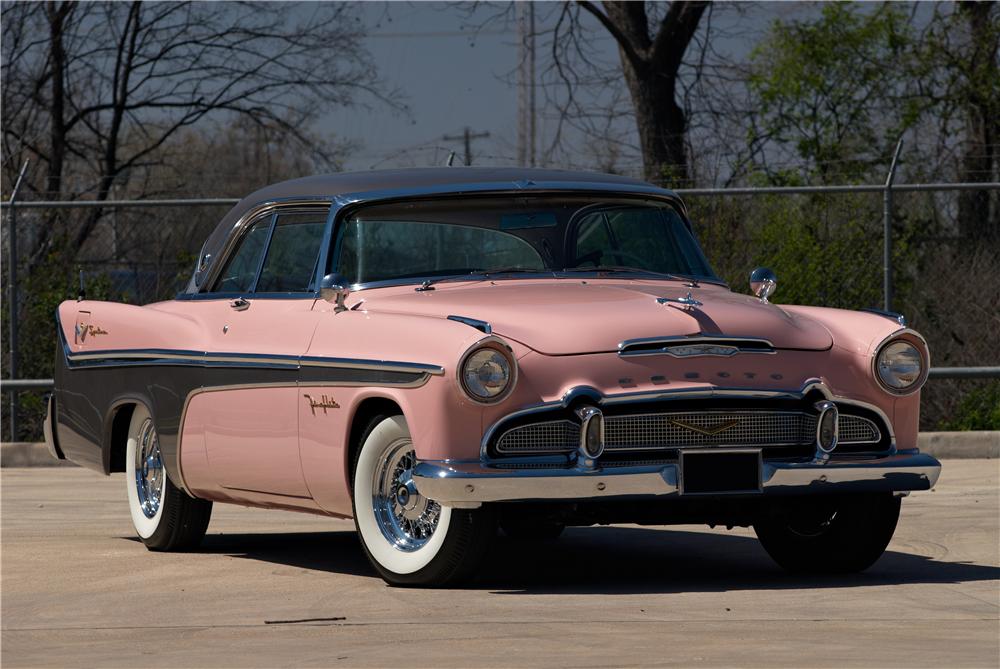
[
  {"x": 265, "y": 252},
  {"x": 346, "y": 202},
  {"x": 811, "y": 385},
  {"x": 925, "y": 357},
  {"x": 692, "y": 339},
  {"x": 194, "y": 297},
  {"x": 249, "y": 217},
  {"x": 549, "y": 274}
]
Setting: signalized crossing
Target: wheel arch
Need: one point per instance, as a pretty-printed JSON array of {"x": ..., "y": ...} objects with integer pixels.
[
  {"x": 367, "y": 409},
  {"x": 116, "y": 425}
]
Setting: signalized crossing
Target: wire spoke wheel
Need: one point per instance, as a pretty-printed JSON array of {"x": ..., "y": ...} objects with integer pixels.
[
  {"x": 406, "y": 518},
  {"x": 410, "y": 539},
  {"x": 149, "y": 474}
]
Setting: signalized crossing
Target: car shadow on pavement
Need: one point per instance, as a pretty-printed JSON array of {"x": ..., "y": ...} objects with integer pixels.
[
  {"x": 606, "y": 560},
  {"x": 338, "y": 552},
  {"x": 631, "y": 560}
]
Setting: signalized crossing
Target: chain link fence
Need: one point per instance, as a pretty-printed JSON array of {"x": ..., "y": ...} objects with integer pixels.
[{"x": 906, "y": 247}]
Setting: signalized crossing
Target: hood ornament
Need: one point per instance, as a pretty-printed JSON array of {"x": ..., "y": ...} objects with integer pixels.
[{"x": 685, "y": 302}]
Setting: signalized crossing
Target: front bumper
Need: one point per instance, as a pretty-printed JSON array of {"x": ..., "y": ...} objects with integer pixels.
[{"x": 468, "y": 484}]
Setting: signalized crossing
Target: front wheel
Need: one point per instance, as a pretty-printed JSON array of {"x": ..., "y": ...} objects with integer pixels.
[
  {"x": 829, "y": 534},
  {"x": 164, "y": 517},
  {"x": 410, "y": 539}
]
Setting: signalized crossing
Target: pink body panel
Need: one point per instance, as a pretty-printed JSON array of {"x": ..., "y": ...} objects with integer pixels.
[
  {"x": 569, "y": 316},
  {"x": 268, "y": 446}
]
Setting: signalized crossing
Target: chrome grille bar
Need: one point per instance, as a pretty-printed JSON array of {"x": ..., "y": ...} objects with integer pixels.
[{"x": 658, "y": 431}]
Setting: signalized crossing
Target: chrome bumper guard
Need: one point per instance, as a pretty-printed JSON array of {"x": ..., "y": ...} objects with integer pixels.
[{"x": 469, "y": 484}]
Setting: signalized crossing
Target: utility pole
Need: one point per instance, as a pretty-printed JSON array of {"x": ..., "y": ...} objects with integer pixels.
[
  {"x": 467, "y": 136},
  {"x": 13, "y": 315},
  {"x": 526, "y": 132}
]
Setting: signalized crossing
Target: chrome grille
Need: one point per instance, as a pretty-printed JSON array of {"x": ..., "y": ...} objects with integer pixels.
[
  {"x": 674, "y": 430},
  {"x": 708, "y": 428},
  {"x": 857, "y": 430},
  {"x": 557, "y": 436}
]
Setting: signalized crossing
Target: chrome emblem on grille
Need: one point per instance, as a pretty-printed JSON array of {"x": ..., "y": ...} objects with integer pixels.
[
  {"x": 709, "y": 431},
  {"x": 687, "y": 350}
]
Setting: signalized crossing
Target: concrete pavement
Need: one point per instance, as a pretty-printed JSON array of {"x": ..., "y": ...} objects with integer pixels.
[{"x": 273, "y": 589}]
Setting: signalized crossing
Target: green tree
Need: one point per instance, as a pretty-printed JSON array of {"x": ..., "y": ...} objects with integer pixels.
[{"x": 830, "y": 91}]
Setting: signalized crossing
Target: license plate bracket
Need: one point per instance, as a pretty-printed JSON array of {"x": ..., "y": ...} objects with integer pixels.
[{"x": 720, "y": 472}]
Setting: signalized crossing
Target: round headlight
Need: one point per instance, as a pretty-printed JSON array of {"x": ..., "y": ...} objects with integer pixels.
[
  {"x": 487, "y": 373},
  {"x": 899, "y": 366}
]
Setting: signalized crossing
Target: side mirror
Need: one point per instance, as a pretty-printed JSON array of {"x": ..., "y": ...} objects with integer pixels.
[
  {"x": 334, "y": 289},
  {"x": 763, "y": 282}
]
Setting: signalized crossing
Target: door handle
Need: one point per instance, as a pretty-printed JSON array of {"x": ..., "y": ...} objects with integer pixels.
[{"x": 240, "y": 304}]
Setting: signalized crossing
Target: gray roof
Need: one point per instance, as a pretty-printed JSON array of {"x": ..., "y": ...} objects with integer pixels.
[
  {"x": 423, "y": 177},
  {"x": 429, "y": 178}
]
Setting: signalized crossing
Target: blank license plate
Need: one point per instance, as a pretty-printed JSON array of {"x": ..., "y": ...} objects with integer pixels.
[{"x": 715, "y": 472}]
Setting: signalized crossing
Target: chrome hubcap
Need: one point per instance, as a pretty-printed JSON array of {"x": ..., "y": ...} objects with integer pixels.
[
  {"x": 148, "y": 469},
  {"x": 407, "y": 518}
]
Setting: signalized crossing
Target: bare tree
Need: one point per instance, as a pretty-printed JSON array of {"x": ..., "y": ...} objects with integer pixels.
[
  {"x": 651, "y": 60},
  {"x": 94, "y": 91}
]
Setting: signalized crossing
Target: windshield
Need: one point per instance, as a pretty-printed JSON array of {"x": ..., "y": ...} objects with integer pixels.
[{"x": 460, "y": 237}]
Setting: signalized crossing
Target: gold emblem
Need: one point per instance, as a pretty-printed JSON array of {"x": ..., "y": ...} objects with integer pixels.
[
  {"x": 83, "y": 331},
  {"x": 708, "y": 431},
  {"x": 323, "y": 403}
]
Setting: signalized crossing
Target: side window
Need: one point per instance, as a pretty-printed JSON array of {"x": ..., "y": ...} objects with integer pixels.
[
  {"x": 241, "y": 269},
  {"x": 291, "y": 259}
]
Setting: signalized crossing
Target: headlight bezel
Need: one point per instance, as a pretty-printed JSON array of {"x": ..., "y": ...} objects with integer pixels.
[
  {"x": 502, "y": 347},
  {"x": 914, "y": 339}
]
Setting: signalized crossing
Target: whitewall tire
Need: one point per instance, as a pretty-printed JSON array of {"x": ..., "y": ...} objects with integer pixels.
[
  {"x": 164, "y": 517},
  {"x": 411, "y": 540}
]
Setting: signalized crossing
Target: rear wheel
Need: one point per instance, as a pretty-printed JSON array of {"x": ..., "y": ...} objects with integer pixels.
[
  {"x": 164, "y": 517},
  {"x": 410, "y": 539},
  {"x": 829, "y": 534}
]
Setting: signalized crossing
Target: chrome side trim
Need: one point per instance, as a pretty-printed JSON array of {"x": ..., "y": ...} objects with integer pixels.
[
  {"x": 132, "y": 357},
  {"x": 811, "y": 385},
  {"x": 683, "y": 340},
  {"x": 482, "y": 326},
  {"x": 472, "y": 483}
]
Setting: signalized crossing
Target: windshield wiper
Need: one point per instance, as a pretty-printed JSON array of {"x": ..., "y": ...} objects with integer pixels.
[
  {"x": 629, "y": 270},
  {"x": 474, "y": 273},
  {"x": 511, "y": 270}
]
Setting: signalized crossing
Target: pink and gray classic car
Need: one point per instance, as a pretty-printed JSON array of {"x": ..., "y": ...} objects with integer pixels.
[{"x": 440, "y": 353}]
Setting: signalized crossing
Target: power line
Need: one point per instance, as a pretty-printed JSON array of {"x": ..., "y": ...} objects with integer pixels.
[{"x": 467, "y": 136}]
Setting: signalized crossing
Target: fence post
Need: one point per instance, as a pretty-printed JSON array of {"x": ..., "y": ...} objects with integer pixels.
[
  {"x": 887, "y": 228},
  {"x": 12, "y": 322}
]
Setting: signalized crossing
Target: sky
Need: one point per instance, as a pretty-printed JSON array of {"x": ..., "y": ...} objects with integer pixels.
[{"x": 451, "y": 77}]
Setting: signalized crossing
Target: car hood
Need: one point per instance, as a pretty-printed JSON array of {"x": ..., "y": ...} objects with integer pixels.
[{"x": 567, "y": 316}]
